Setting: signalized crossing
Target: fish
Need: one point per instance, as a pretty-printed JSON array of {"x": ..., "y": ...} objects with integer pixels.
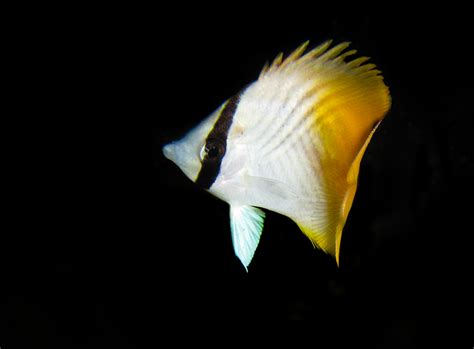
[{"x": 290, "y": 142}]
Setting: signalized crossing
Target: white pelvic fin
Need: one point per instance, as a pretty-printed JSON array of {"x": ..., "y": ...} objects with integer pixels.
[{"x": 246, "y": 224}]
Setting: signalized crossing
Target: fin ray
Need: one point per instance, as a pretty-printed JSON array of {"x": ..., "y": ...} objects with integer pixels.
[{"x": 246, "y": 224}]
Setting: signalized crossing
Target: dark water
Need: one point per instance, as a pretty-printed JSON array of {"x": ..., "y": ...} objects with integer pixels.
[
  {"x": 405, "y": 264},
  {"x": 145, "y": 254},
  {"x": 405, "y": 256}
]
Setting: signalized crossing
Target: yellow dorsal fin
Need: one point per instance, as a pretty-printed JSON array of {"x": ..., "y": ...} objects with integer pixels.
[
  {"x": 275, "y": 64},
  {"x": 294, "y": 55},
  {"x": 321, "y": 53},
  {"x": 335, "y": 51},
  {"x": 279, "y": 63},
  {"x": 318, "y": 51},
  {"x": 350, "y": 100}
]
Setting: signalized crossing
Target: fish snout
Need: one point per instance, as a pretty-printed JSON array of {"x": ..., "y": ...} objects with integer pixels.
[{"x": 170, "y": 152}]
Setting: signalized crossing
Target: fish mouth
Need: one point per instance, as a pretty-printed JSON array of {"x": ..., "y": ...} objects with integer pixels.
[{"x": 169, "y": 151}]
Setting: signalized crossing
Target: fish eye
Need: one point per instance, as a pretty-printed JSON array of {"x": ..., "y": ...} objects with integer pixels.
[{"x": 212, "y": 150}]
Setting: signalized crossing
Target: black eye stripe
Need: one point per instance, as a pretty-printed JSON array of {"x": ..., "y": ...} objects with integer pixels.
[{"x": 217, "y": 137}]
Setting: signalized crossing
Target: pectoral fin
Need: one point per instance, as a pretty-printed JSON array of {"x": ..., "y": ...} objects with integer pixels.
[{"x": 246, "y": 224}]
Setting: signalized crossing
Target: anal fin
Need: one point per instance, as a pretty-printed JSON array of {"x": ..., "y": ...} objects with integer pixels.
[{"x": 324, "y": 227}]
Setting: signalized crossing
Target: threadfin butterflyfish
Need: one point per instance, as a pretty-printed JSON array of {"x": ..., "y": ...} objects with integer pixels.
[{"x": 290, "y": 142}]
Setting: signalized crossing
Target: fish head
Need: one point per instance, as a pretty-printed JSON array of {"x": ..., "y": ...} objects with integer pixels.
[
  {"x": 187, "y": 152},
  {"x": 212, "y": 154}
]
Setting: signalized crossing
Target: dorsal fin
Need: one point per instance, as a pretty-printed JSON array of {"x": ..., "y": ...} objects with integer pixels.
[
  {"x": 349, "y": 100},
  {"x": 352, "y": 99}
]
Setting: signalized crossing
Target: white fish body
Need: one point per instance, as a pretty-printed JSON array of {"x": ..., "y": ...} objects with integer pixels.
[{"x": 291, "y": 142}]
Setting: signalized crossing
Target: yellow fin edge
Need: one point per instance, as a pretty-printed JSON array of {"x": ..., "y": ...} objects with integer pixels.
[{"x": 329, "y": 239}]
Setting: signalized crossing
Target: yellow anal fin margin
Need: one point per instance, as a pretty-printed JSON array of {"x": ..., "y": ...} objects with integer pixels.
[
  {"x": 349, "y": 98},
  {"x": 326, "y": 232}
]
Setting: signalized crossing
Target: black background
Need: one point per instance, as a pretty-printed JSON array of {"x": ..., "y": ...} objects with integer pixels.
[
  {"x": 126, "y": 256},
  {"x": 405, "y": 268},
  {"x": 404, "y": 274}
]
